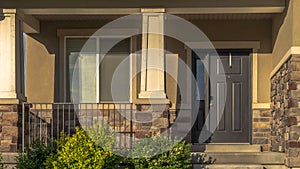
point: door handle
(211, 101)
(230, 60)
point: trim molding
(225, 45)
(261, 106)
(225, 10)
(124, 11)
(291, 51)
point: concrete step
(233, 148)
(275, 167)
(234, 166)
(261, 158)
(237, 166)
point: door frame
(254, 46)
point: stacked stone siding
(151, 119)
(261, 128)
(285, 124)
(9, 128)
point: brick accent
(9, 128)
(285, 124)
(261, 128)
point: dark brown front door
(227, 87)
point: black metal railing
(45, 121)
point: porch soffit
(140, 4)
(201, 13)
(185, 16)
(126, 11)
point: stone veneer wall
(9, 128)
(151, 119)
(261, 130)
(285, 124)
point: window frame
(61, 62)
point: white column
(152, 74)
(11, 57)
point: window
(90, 70)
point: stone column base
(9, 128)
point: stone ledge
(262, 158)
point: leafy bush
(2, 166)
(35, 156)
(144, 154)
(81, 151)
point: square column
(152, 73)
(11, 58)
(12, 81)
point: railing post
(23, 126)
(131, 125)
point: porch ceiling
(185, 16)
(139, 3)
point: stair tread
(236, 147)
(234, 166)
(232, 148)
(238, 158)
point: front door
(229, 89)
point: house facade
(222, 74)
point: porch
(257, 41)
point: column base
(152, 95)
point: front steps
(241, 148)
(235, 156)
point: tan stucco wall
(264, 69)
(289, 32)
(284, 38)
(39, 72)
(296, 22)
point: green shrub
(35, 156)
(81, 151)
(2, 166)
(150, 153)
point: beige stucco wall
(264, 69)
(284, 38)
(289, 32)
(296, 23)
(39, 72)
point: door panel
(228, 88)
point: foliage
(35, 156)
(81, 151)
(2, 166)
(102, 136)
(177, 154)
